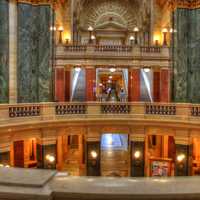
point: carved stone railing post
(47, 111)
(4, 113)
(183, 110)
(93, 109)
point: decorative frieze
(187, 4)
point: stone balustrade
(98, 110)
(66, 54)
(30, 184)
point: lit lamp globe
(90, 28)
(131, 39)
(146, 70)
(137, 154)
(77, 69)
(180, 157)
(94, 154)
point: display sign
(160, 168)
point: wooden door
(19, 154)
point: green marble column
(186, 55)
(180, 52)
(4, 51)
(34, 53)
(194, 56)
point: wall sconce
(60, 30)
(131, 39)
(90, 29)
(180, 158)
(94, 154)
(53, 28)
(136, 30)
(50, 158)
(6, 166)
(164, 31)
(137, 154)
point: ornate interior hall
(104, 88)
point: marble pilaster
(12, 51)
(4, 51)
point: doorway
(114, 155)
(112, 84)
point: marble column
(67, 84)
(90, 84)
(156, 86)
(4, 51)
(12, 51)
(134, 84)
(165, 85)
(180, 55)
(60, 84)
(34, 53)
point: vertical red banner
(156, 86)
(165, 85)
(67, 84)
(134, 85)
(90, 84)
(60, 84)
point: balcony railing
(113, 48)
(115, 108)
(70, 109)
(153, 109)
(68, 52)
(98, 110)
(24, 111)
(195, 111)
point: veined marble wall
(194, 56)
(4, 51)
(34, 53)
(187, 55)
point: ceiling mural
(124, 14)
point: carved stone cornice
(187, 4)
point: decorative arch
(114, 12)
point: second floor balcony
(121, 54)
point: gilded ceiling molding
(187, 4)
